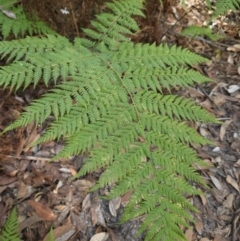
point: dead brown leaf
(103, 236)
(232, 182)
(223, 129)
(29, 221)
(216, 182)
(114, 205)
(199, 226)
(22, 190)
(97, 216)
(42, 210)
(228, 203)
(218, 237)
(5, 180)
(189, 234)
(62, 233)
(125, 198)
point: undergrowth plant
(222, 6)
(10, 231)
(112, 99)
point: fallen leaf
(230, 59)
(97, 216)
(5, 180)
(62, 233)
(87, 202)
(237, 46)
(232, 88)
(228, 203)
(103, 236)
(199, 227)
(42, 210)
(9, 14)
(29, 221)
(216, 182)
(204, 239)
(216, 149)
(189, 234)
(232, 182)
(203, 199)
(223, 129)
(84, 185)
(125, 198)
(114, 205)
(218, 237)
(22, 190)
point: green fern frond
(24, 48)
(158, 78)
(48, 66)
(172, 106)
(164, 124)
(10, 231)
(148, 55)
(21, 25)
(112, 28)
(194, 31)
(107, 100)
(222, 6)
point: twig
(74, 19)
(215, 44)
(35, 158)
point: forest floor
(26, 176)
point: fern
(10, 231)
(19, 25)
(201, 31)
(222, 6)
(108, 99)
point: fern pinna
(108, 101)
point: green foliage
(194, 31)
(222, 6)
(109, 100)
(19, 25)
(11, 228)
(50, 236)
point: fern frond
(112, 28)
(10, 231)
(157, 78)
(194, 31)
(172, 106)
(148, 56)
(106, 102)
(163, 124)
(222, 6)
(48, 66)
(24, 48)
(21, 25)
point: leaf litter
(47, 197)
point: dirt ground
(46, 195)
